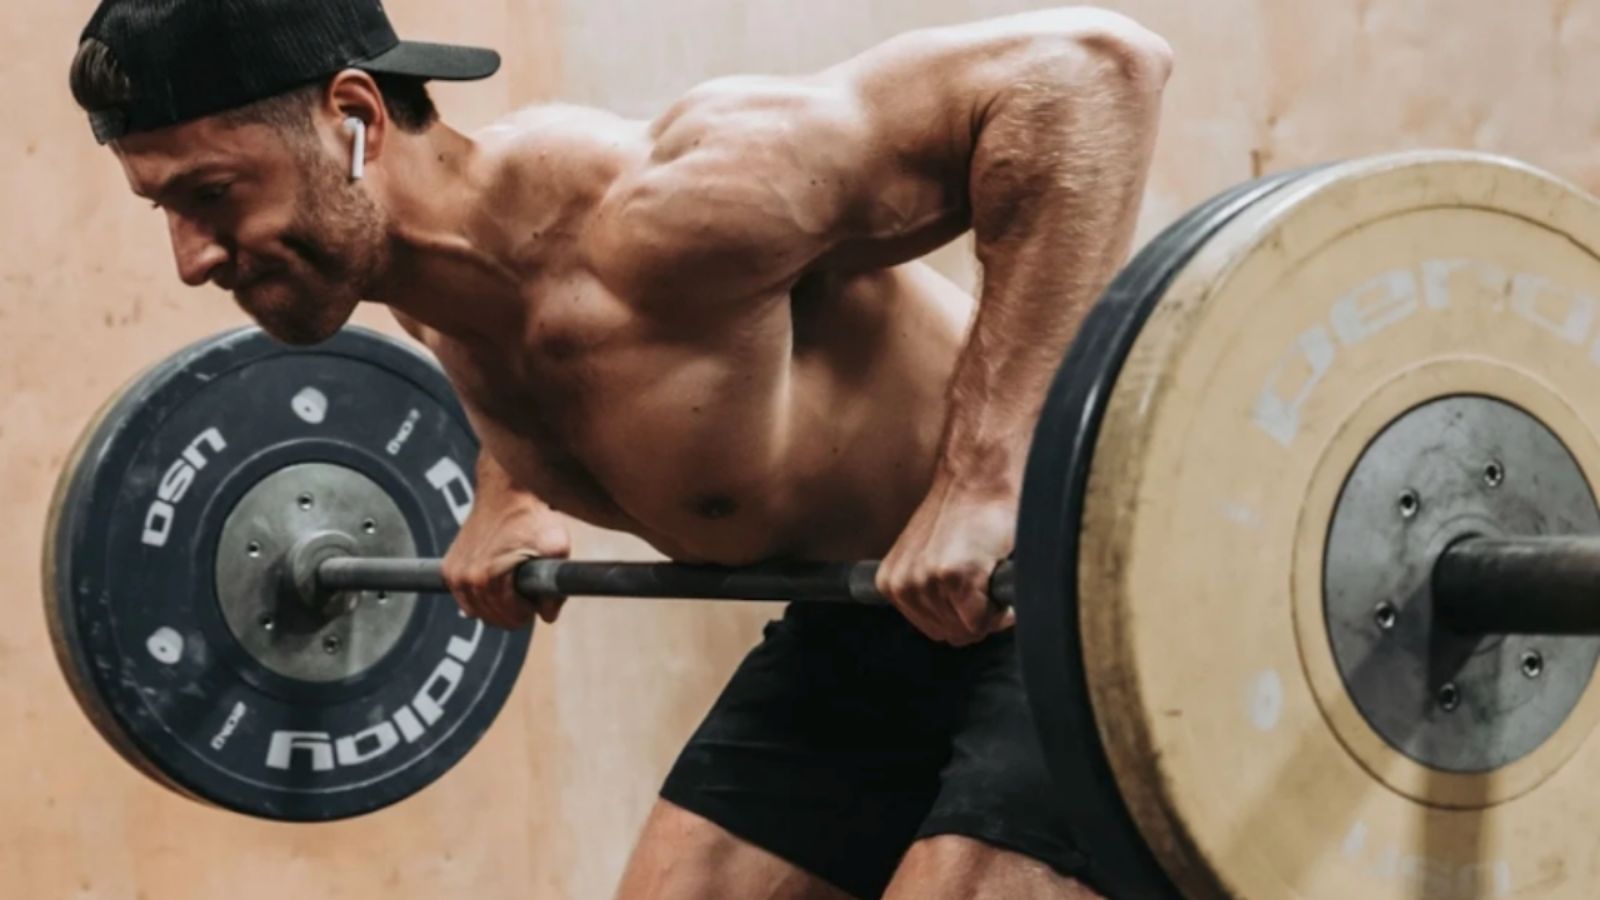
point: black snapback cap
(187, 59)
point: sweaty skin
(711, 330)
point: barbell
(1470, 578)
(1305, 573)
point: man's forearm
(1057, 176)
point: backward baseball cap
(187, 59)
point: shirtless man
(709, 330)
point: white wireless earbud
(358, 154)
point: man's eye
(211, 193)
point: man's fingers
(984, 618)
(951, 605)
(1007, 620)
(510, 609)
(549, 608)
(481, 604)
(892, 584)
(961, 592)
(919, 597)
(480, 597)
(484, 584)
(938, 593)
(925, 612)
(467, 598)
(937, 606)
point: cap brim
(443, 62)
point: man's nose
(198, 252)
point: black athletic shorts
(846, 735)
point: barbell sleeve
(1519, 585)
(852, 582)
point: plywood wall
(548, 806)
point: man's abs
(805, 429)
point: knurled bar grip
(803, 582)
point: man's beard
(338, 243)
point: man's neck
(448, 261)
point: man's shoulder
(568, 150)
(554, 126)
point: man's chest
(608, 413)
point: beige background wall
(548, 805)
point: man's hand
(492, 543)
(938, 573)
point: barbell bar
(1541, 585)
(851, 582)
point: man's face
(269, 216)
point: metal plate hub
(1446, 471)
(276, 627)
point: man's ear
(353, 94)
